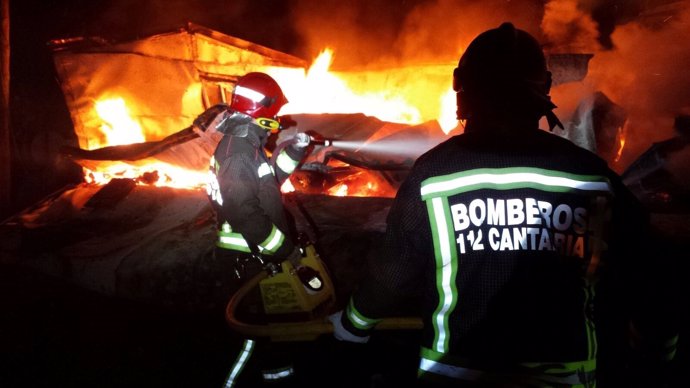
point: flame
(320, 90)
(408, 99)
(339, 190)
(621, 141)
(362, 183)
(448, 117)
(118, 127)
(152, 173)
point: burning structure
(140, 225)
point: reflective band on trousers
(232, 241)
(467, 374)
(236, 242)
(357, 319)
(241, 361)
(278, 374)
(273, 242)
(573, 374)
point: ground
(57, 334)
(60, 335)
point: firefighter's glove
(212, 118)
(341, 334)
(302, 140)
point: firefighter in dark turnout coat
(244, 189)
(505, 233)
(244, 185)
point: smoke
(381, 32)
(642, 66)
(358, 31)
(442, 29)
(644, 71)
(263, 22)
(678, 165)
(569, 29)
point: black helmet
(503, 70)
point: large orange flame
(118, 127)
(317, 90)
(399, 100)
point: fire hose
(308, 330)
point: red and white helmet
(257, 95)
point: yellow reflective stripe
(232, 241)
(264, 169)
(235, 241)
(241, 361)
(274, 241)
(286, 163)
(446, 258)
(571, 374)
(357, 319)
(277, 374)
(511, 178)
(452, 371)
(561, 367)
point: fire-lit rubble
(154, 244)
(150, 236)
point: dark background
(57, 334)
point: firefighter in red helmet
(244, 186)
(513, 239)
(244, 189)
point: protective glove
(341, 334)
(302, 140)
(211, 118)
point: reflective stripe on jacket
(245, 192)
(501, 246)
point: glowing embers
(342, 180)
(396, 95)
(119, 128)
